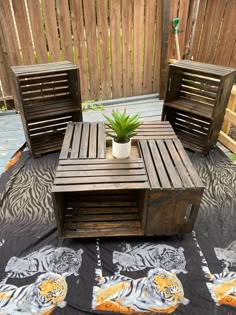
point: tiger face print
(150, 255)
(41, 297)
(223, 288)
(61, 260)
(166, 287)
(160, 291)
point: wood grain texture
(91, 40)
(197, 34)
(183, 16)
(23, 31)
(5, 70)
(138, 46)
(206, 30)
(157, 50)
(65, 29)
(36, 23)
(49, 14)
(80, 46)
(191, 26)
(215, 32)
(171, 39)
(9, 34)
(227, 36)
(127, 26)
(150, 11)
(103, 37)
(115, 29)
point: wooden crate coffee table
(156, 191)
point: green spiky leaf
(122, 125)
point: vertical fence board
(190, 27)
(90, 27)
(164, 47)
(51, 29)
(148, 45)
(206, 30)
(157, 48)
(115, 27)
(65, 29)
(216, 26)
(173, 14)
(227, 35)
(183, 17)
(232, 62)
(103, 36)
(5, 78)
(127, 46)
(198, 29)
(79, 46)
(37, 31)
(138, 46)
(23, 31)
(9, 34)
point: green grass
(88, 105)
(3, 108)
(232, 157)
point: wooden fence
(207, 31)
(119, 45)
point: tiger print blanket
(42, 274)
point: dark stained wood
(196, 101)
(154, 192)
(48, 96)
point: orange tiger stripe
(12, 161)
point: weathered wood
(197, 34)
(191, 26)
(65, 29)
(91, 40)
(49, 14)
(103, 37)
(10, 39)
(227, 35)
(138, 42)
(183, 16)
(206, 30)
(23, 31)
(115, 25)
(127, 23)
(219, 12)
(79, 45)
(173, 14)
(36, 23)
(149, 39)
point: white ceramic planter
(121, 150)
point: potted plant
(123, 128)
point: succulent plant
(123, 125)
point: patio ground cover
(193, 274)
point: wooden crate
(200, 92)
(156, 191)
(48, 96)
